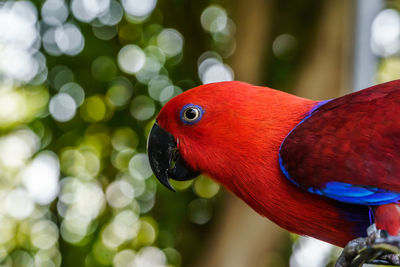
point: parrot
(325, 169)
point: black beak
(165, 160)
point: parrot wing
(348, 148)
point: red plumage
(352, 139)
(388, 217)
(238, 139)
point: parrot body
(325, 169)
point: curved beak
(165, 160)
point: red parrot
(325, 169)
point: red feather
(353, 139)
(237, 143)
(388, 217)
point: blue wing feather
(355, 194)
(337, 143)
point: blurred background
(81, 82)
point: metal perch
(378, 248)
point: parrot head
(213, 129)
(181, 138)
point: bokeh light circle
(139, 9)
(69, 39)
(119, 194)
(18, 204)
(44, 234)
(214, 19)
(170, 41)
(212, 70)
(54, 12)
(62, 107)
(75, 91)
(40, 178)
(113, 15)
(124, 258)
(131, 59)
(139, 166)
(142, 107)
(385, 33)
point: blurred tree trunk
(241, 237)
(327, 72)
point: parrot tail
(387, 217)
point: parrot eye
(190, 114)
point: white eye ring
(191, 114)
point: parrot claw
(377, 248)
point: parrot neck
(253, 146)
